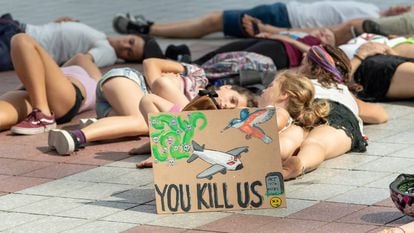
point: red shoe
(35, 123)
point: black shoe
(127, 24)
(370, 26)
(180, 53)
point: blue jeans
(274, 14)
(103, 107)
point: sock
(80, 136)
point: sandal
(255, 26)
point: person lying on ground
(120, 91)
(51, 94)
(292, 14)
(66, 38)
(330, 71)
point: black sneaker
(127, 24)
(370, 26)
(64, 142)
(180, 53)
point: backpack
(241, 68)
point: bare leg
(191, 28)
(169, 89)
(405, 50)
(14, 106)
(48, 89)
(322, 143)
(124, 96)
(150, 104)
(402, 83)
(290, 140)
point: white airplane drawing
(221, 161)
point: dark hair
(252, 98)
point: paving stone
(136, 195)
(143, 214)
(319, 191)
(238, 223)
(49, 224)
(362, 195)
(357, 178)
(96, 209)
(327, 211)
(102, 227)
(291, 225)
(9, 220)
(56, 187)
(387, 164)
(344, 228)
(189, 220)
(57, 171)
(293, 206)
(12, 201)
(97, 191)
(51, 206)
(100, 174)
(154, 229)
(373, 215)
(137, 177)
(349, 161)
(16, 183)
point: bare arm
(154, 67)
(299, 45)
(371, 113)
(366, 50)
(282, 117)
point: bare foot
(292, 168)
(141, 149)
(145, 163)
(251, 25)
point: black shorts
(75, 108)
(340, 117)
(375, 74)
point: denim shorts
(103, 108)
(274, 14)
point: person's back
(66, 39)
(326, 13)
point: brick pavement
(99, 190)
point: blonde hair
(302, 107)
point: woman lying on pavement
(330, 71)
(51, 94)
(120, 91)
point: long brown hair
(324, 76)
(302, 107)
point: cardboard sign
(216, 160)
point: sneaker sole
(61, 141)
(30, 131)
(115, 23)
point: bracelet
(358, 57)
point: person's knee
(160, 84)
(21, 39)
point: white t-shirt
(352, 46)
(64, 40)
(326, 13)
(341, 95)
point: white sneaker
(62, 141)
